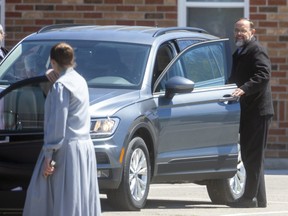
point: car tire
(224, 191)
(134, 187)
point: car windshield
(102, 64)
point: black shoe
(244, 203)
(262, 204)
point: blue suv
(161, 111)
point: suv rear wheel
(223, 191)
(133, 190)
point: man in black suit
(3, 50)
(251, 71)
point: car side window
(184, 43)
(205, 64)
(22, 109)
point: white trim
(182, 13)
(2, 18)
(216, 4)
(246, 8)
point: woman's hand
(52, 75)
(48, 167)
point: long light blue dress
(72, 190)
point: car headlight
(103, 127)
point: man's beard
(242, 42)
(239, 43)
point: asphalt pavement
(183, 200)
(193, 200)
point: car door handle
(5, 139)
(228, 98)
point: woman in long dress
(70, 186)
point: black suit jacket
(251, 71)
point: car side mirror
(178, 84)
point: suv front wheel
(133, 190)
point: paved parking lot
(190, 200)
(193, 200)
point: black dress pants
(253, 139)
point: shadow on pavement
(167, 204)
(179, 204)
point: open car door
(198, 116)
(21, 130)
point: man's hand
(238, 92)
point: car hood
(106, 102)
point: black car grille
(102, 158)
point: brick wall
(27, 16)
(270, 16)
(271, 22)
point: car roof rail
(171, 29)
(57, 26)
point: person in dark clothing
(251, 71)
(3, 50)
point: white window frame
(2, 17)
(183, 5)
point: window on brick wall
(215, 16)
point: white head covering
(1, 29)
